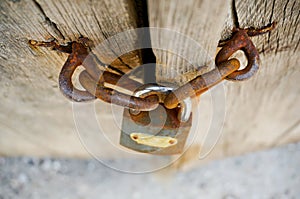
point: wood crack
(52, 24)
(148, 56)
(295, 31)
(270, 21)
(284, 14)
(116, 70)
(235, 15)
(106, 37)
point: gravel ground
(268, 174)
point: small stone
(46, 164)
(56, 165)
(2, 161)
(22, 178)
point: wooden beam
(260, 113)
(35, 118)
(193, 31)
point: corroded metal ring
(162, 91)
(65, 77)
(240, 41)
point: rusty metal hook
(241, 41)
(74, 60)
(78, 52)
(80, 56)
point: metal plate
(162, 124)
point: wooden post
(260, 113)
(35, 118)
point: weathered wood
(194, 28)
(262, 112)
(37, 120)
(265, 112)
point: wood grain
(266, 107)
(192, 37)
(35, 118)
(262, 112)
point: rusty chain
(94, 80)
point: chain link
(94, 80)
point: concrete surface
(268, 174)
